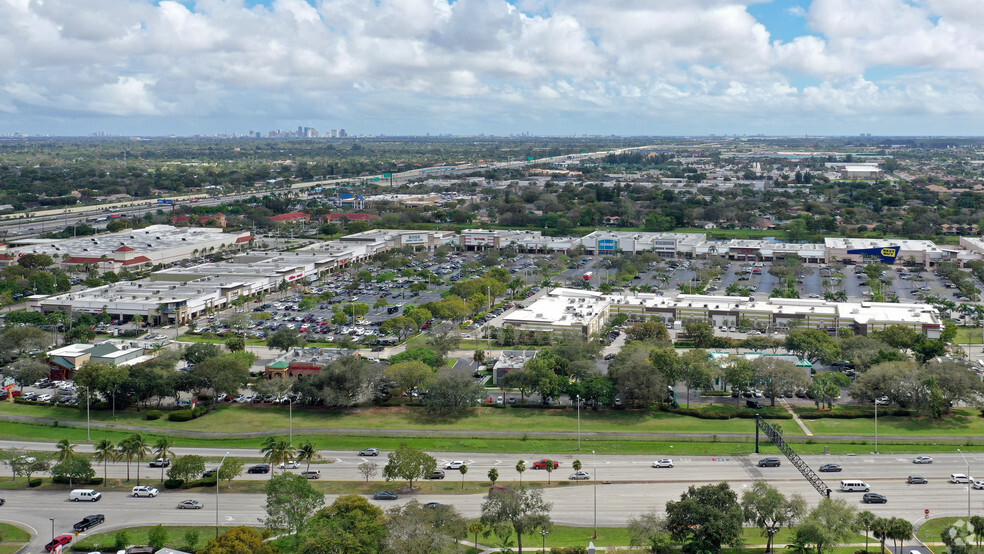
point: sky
(465, 67)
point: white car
(959, 478)
(455, 465)
(922, 460)
(44, 398)
(580, 476)
(665, 462)
(978, 484)
(293, 464)
(144, 491)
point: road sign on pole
(927, 511)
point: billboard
(607, 244)
(414, 239)
(886, 254)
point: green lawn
(968, 335)
(931, 530)
(964, 422)
(138, 535)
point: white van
(854, 486)
(88, 495)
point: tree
(520, 511)
(200, 351)
(407, 462)
(284, 339)
(408, 376)
(163, 451)
(813, 345)
(700, 333)
(235, 343)
(652, 331)
(463, 469)
(134, 446)
(493, 475)
(831, 522)
(520, 468)
(368, 470)
(65, 450)
(230, 469)
(706, 518)
(350, 525)
(417, 529)
(29, 463)
(105, 452)
(696, 371)
(778, 377)
(306, 452)
(277, 451)
(401, 326)
(739, 373)
(157, 537)
(768, 509)
(238, 540)
(226, 373)
(899, 336)
(74, 468)
(866, 520)
(576, 465)
(291, 500)
(650, 530)
(443, 340)
(452, 393)
(899, 530)
(187, 467)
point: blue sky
(660, 67)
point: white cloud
(473, 63)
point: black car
(754, 404)
(916, 480)
(874, 498)
(209, 473)
(831, 467)
(769, 462)
(259, 468)
(89, 522)
(385, 495)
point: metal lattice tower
(776, 437)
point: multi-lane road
(626, 486)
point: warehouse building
(136, 248)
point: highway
(627, 486)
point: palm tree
(306, 452)
(162, 449)
(520, 468)
(105, 453)
(65, 450)
(576, 465)
(134, 446)
(276, 451)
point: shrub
(199, 411)
(181, 415)
(206, 482)
(35, 482)
(851, 412)
(102, 405)
(63, 480)
(151, 415)
(173, 483)
(684, 344)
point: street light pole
(52, 527)
(876, 426)
(968, 481)
(543, 544)
(579, 423)
(290, 418)
(88, 430)
(218, 474)
(594, 462)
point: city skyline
(467, 67)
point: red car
(60, 540)
(542, 464)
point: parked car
(259, 468)
(874, 498)
(542, 464)
(161, 462)
(831, 468)
(922, 460)
(144, 491)
(580, 476)
(369, 452)
(60, 540)
(436, 474)
(385, 495)
(665, 462)
(916, 480)
(769, 462)
(89, 522)
(190, 505)
(454, 465)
